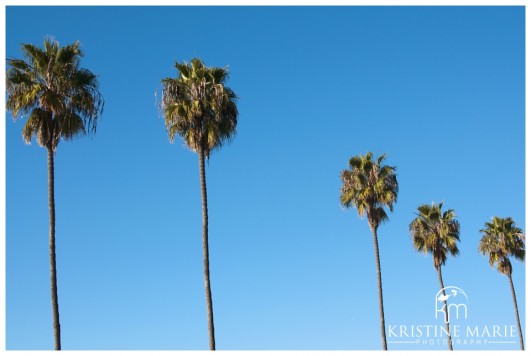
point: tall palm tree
(436, 232)
(61, 100)
(371, 186)
(501, 240)
(202, 110)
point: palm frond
(35, 57)
(71, 125)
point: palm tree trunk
(380, 293)
(53, 268)
(516, 311)
(439, 273)
(206, 263)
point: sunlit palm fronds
(435, 232)
(502, 239)
(60, 99)
(370, 187)
(199, 107)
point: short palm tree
(202, 110)
(501, 240)
(61, 100)
(436, 232)
(371, 186)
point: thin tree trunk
(516, 311)
(439, 273)
(206, 263)
(53, 268)
(380, 293)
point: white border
(239, 3)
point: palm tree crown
(199, 107)
(61, 99)
(502, 239)
(370, 186)
(435, 232)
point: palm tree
(437, 233)
(501, 240)
(371, 186)
(60, 100)
(202, 110)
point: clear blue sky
(440, 90)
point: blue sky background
(440, 90)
